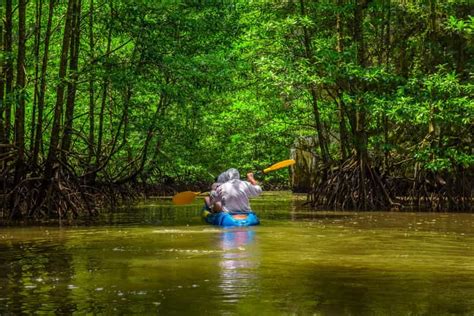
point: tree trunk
(105, 86)
(433, 30)
(9, 67)
(380, 33)
(339, 30)
(402, 63)
(360, 137)
(343, 134)
(20, 91)
(42, 88)
(387, 65)
(319, 127)
(360, 115)
(387, 45)
(313, 91)
(162, 104)
(3, 134)
(91, 86)
(72, 82)
(36, 48)
(128, 96)
(58, 108)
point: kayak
(228, 219)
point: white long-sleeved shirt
(234, 195)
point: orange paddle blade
(185, 197)
(279, 165)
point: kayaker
(233, 195)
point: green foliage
(219, 84)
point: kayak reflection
(238, 264)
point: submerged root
(61, 197)
(357, 186)
(65, 196)
(352, 186)
(442, 191)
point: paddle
(187, 197)
(279, 165)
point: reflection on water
(238, 264)
(154, 259)
(237, 238)
(31, 274)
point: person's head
(228, 175)
(233, 174)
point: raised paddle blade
(279, 165)
(184, 197)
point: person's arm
(251, 179)
(253, 189)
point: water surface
(157, 258)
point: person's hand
(251, 179)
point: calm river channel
(155, 258)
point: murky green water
(157, 258)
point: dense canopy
(101, 99)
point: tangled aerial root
(352, 186)
(358, 186)
(59, 197)
(64, 196)
(433, 191)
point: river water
(155, 258)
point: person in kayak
(232, 194)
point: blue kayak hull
(226, 219)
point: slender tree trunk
(360, 137)
(402, 58)
(3, 134)
(319, 126)
(91, 85)
(128, 96)
(313, 91)
(433, 29)
(387, 33)
(433, 126)
(72, 82)
(20, 86)
(344, 138)
(36, 48)
(58, 108)
(116, 138)
(105, 86)
(360, 115)
(9, 66)
(380, 31)
(387, 46)
(162, 104)
(42, 88)
(339, 27)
